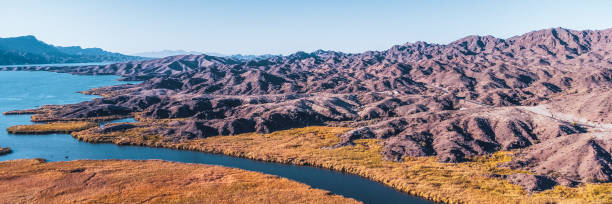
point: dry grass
(23, 112)
(467, 182)
(48, 128)
(46, 113)
(152, 181)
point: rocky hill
(29, 50)
(533, 93)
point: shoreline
(342, 169)
(134, 137)
(43, 115)
(186, 147)
(51, 128)
(429, 171)
(93, 120)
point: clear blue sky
(284, 26)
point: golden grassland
(54, 127)
(23, 112)
(5, 150)
(467, 182)
(151, 181)
(45, 109)
(46, 114)
(99, 92)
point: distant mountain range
(252, 57)
(29, 50)
(168, 53)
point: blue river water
(24, 90)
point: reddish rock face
(453, 101)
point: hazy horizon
(279, 27)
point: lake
(59, 64)
(25, 90)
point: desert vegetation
(45, 118)
(152, 181)
(49, 128)
(24, 112)
(475, 181)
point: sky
(283, 26)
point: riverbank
(467, 182)
(150, 181)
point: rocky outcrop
(115, 127)
(530, 183)
(454, 135)
(570, 159)
(5, 150)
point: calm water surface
(24, 90)
(59, 64)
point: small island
(5, 150)
(50, 128)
